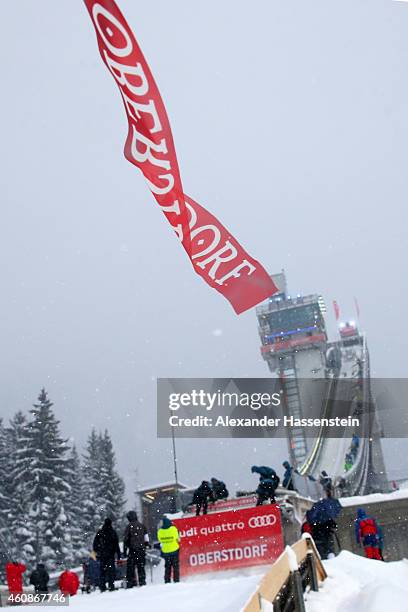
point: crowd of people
(212, 491)
(68, 581)
(99, 571)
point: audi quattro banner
(231, 539)
(214, 253)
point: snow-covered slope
(356, 584)
(218, 592)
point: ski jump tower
(296, 348)
(293, 336)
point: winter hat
(253, 468)
(324, 473)
(166, 522)
(286, 464)
(131, 516)
(107, 522)
(361, 513)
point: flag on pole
(357, 307)
(336, 308)
(214, 253)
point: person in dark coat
(325, 480)
(201, 496)
(106, 547)
(287, 481)
(39, 579)
(268, 483)
(219, 489)
(135, 542)
(322, 517)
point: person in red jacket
(368, 534)
(14, 574)
(68, 583)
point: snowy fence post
(296, 579)
(281, 589)
(310, 560)
(314, 583)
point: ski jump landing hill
(297, 350)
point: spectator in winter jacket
(169, 539)
(323, 534)
(68, 583)
(321, 517)
(355, 445)
(287, 481)
(202, 494)
(268, 483)
(14, 575)
(135, 542)
(106, 546)
(92, 572)
(39, 579)
(348, 462)
(368, 534)
(325, 481)
(219, 489)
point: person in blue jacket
(287, 481)
(268, 483)
(322, 519)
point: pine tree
(104, 488)
(46, 478)
(4, 500)
(92, 510)
(15, 480)
(111, 486)
(57, 549)
(76, 522)
(50, 505)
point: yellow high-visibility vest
(169, 539)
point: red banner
(286, 344)
(336, 309)
(231, 539)
(215, 254)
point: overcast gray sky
(290, 123)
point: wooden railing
(298, 568)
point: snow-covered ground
(356, 584)
(218, 592)
(361, 500)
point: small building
(156, 500)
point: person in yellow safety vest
(169, 539)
